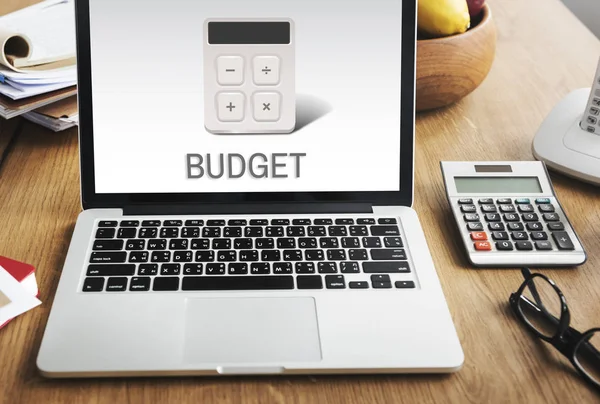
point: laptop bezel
(91, 199)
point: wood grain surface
(543, 53)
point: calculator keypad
(521, 225)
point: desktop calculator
(591, 115)
(508, 215)
(249, 76)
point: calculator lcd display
(498, 185)
(248, 33)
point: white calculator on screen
(249, 76)
(508, 215)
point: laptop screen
(246, 96)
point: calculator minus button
(482, 246)
(230, 70)
(479, 236)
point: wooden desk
(543, 53)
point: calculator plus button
(525, 208)
(562, 240)
(496, 226)
(483, 246)
(465, 201)
(522, 201)
(474, 226)
(492, 217)
(519, 235)
(516, 226)
(230, 107)
(530, 217)
(546, 208)
(524, 245)
(543, 245)
(489, 208)
(504, 201)
(500, 235)
(486, 201)
(471, 217)
(550, 217)
(266, 106)
(468, 209)
(266, 70)
(541, 201)
(504, 246)
(534, 226)
(479, 236)
(230, 70)
(556, 226)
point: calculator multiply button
(266, 70)
(266, 107)
(562, 240)
(230, 70)
(230, 106)
(550, 217)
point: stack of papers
(37, 56)
(58, 116)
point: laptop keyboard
(239, 254)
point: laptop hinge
(248, 208)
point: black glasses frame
(566, 340)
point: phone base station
(564, 146)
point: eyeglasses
(542, 307)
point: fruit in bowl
(455, 50)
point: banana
(438, 18)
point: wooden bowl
(450, 68)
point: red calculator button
(483, 246)
(479, 236)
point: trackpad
(251, 330)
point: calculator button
(266, 70)
(534, 226)
(483, 246)
(266, 106)
(516, 226)
(591, 120)
(492, 217)
(539, 235)
(489, 208)
(496, 226)
(550, 217)
(541, 201)
(519, 235)
(530, 217)
(543, 245)
(474, 226)
(524, 245)
(504, 246)
(507, 208)
(479, 236)
(522, 201)
(596, 102)
(468, 208)
(591, 129)
(486, 201)
(511, 217)
(546, 208)
(525, 208)
(504, 201)
(465, 201)
(562, 240)
(230, 107)
(230, 70)
(500, 235)
(556, 226)
(471, 217)
(594, 111)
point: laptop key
(147, 232)
(127, 232)
(161, 256)
(274, 231)
(317, 231)
(382, 285)
(337, 231)
(292, 255)
(329, 242)
(305, 268)
(111, 270)
(365, 221)
(323, 222)
(248, 255)
(336, 255)
(183, 256)
(148, 269)
(93, 284)
(205, 256)
(215, 269)
(253, 232)
(215, 222)
(335, 282)
(167, 283)
(242, 243)
(270, 255)
(138, 256)
(232, 282)
(349, 267)
(211, 232)
(194, 222)
(107, 245)
(385, 231)
(117, 284)
(372, 242)
(259, 222)
(280, 222)
(314, 255)
(232, 232)
(151, 223)
(327, 267)
(387, 220)
(167, 232)
(359, 231)
(404, 284)
(344, 221)
(190, 232)
(130, 223)
(200, 244)
(309, 282)
(301, 222)
(282, 268)
(309, 242)
(173, 223)
(107, 223)
(358, 285)
(178, 244)
(134, 245)
(238, 268)
(260, 268)
(350, 242)
(108, 257)
(157, 244)
(385, 267)
(296, 231)
(358, 255)
(140, 284)
(237, 222)
(192, 269)
(388, 254)
(170, 269)
(221, 244)
(105, 233)
(262, 243)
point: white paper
(14, 298)
(16, 94)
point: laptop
(247, 183)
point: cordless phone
(591, 115)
